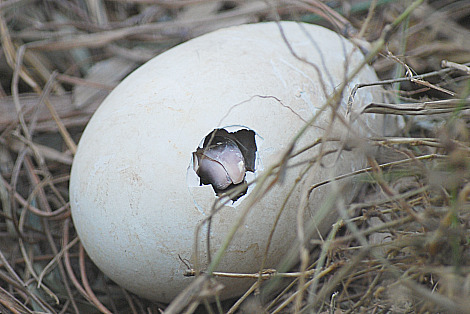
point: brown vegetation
(403, 246)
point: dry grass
(403, 246)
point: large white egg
(135, 196)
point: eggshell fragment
(135, 195)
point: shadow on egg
(224, 159)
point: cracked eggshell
(135, 197)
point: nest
(402, 246)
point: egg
(203, 119)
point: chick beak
(220, 164)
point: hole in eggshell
(223, 160)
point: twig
(457, 66)
(86, 285)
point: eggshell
(135, 197)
